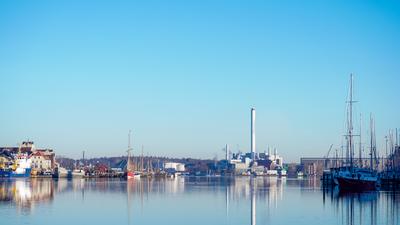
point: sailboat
(352, 177)
(130, 174)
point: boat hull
(132, 175)
(12, 174)
(356, 184)
(76, 174)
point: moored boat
(272, 173)
(60, 172)
(129, 173)
(282, 172)
(132, 175)
(77, 173)
(21, 168)
(353, 177)
(300, 174)
(357, 179)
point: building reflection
(26, 194)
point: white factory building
(178, 167)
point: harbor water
(191, 200)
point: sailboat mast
(391, 149)
(386, 152)
(128, 163)
(360, 147)
(374, 142)
(371, 142)
(141, 161)
(350, 128)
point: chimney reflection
(253, 187)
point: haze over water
(191, 200)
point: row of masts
(139, 164)
(392, 140)
(350, 152)
(392, 143)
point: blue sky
(77, 75)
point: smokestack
(253, 133)
(227, 152)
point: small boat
(247, 173)
(300, 174)
(272, 173)
(258, 173)
(132, 175)
(282, 172)
(76, 173)
(60, 172)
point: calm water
(192, 201)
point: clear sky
(183, 75)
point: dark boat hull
(356, 184)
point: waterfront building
(314, 166)
(42, 159)
(177, 167)
(41, 162)
(27, 147)
(238, 167)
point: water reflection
(253, 186)
(25, 194)
(245, 200)
(376, 207)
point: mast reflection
(372, 208)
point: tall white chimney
(253, 133)
(227, 152)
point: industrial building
(314, 166)
(176, 167)
(263, 163)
